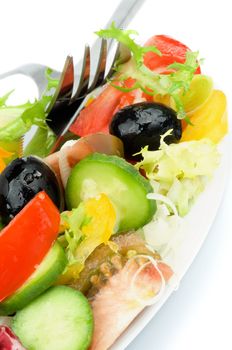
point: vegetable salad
(86, 232)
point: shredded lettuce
(164, 232)
(174, 84)
(161, 229)
(182, 169)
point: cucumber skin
(84, 316)
(123, 165)
(35, 286)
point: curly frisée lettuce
(182, 170)
(174, 84)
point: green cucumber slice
(47, 272)
(125, 186)
(59, 319)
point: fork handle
(125, 11)
(122, 16)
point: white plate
(196, 225)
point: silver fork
(68, 97)
(123, 14)
(76, 82)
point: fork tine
(66, 104)
(121, 55)
(101, 65)
(81, 86)
(65, 86)
(111, 62)
(57, 118)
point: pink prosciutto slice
(140, 283)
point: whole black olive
(142, 124)
(21, 180)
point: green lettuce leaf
(4, 98)
(181, 170)
(15, 121)
(41, 143)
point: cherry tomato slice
(97, 115)
(25, 241)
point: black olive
(21, 180)
(142, 124)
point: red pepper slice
(25, 241)
(172, 51)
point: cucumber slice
(125, 186)
(59, 319)
(46, 273)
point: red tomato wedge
(25, 241)
(172, 51)
(97, 115)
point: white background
(198, 315)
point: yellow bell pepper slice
(4, 155)
(209, 121)
(100, 227)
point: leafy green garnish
(73, 221)
(15, 121)
(174, 84)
